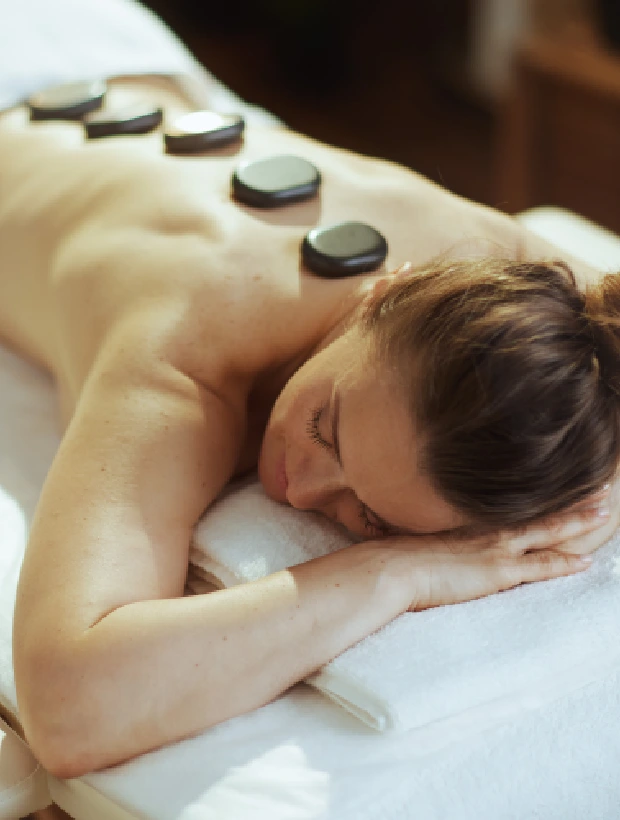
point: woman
(189, 347)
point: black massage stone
(201, 131)
(344, 249)
(275, 181)
(70, 101)
(136, 119)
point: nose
(315, 484)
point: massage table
(302, 756)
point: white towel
(245, 536)
(504, 653)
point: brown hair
(513, 377)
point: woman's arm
(110, 660)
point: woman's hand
(451, 572)
(447, 569)
(581, 529)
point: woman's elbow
(56, 713)
(59, 760)
(64, 748)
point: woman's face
(340, 441)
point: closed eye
(312, 428)
(372, 523)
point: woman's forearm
(154, 672)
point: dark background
(392, 78)
(380, 77)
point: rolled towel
(498, 655)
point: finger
(587, 542)
(542, 566)
(556, 531)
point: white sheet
(560, 763)
(48, 42)
(303, 757)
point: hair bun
(602, 309)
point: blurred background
(514, 103)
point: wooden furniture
(559, 134)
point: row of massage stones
(344, 249)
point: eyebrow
(336, 441)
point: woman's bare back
(94, 233)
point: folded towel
(245, 536)
(506, 653)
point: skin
(189, 346)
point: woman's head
(512, 377)
(340, 441)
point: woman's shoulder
(259, 322)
